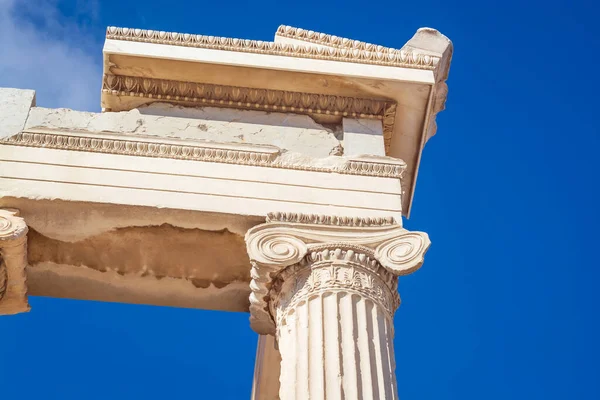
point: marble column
(13, 260)
(326, 288)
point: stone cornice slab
(377, 55)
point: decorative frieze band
(211, 95)
(329, 40)
(229, 154)
(328, 219)
(377, 56)
(247, 98)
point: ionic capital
(358, 255)
(12, 227)
(13, 260)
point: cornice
(261, 156)
(383, 56)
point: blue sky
(506, 305)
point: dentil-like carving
(328, 40)
(224, 153)
(376, 55)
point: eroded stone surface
(14, 109)
(135, 255)
(68, 281)
(298, 133)
(70, 221)
(202, 257)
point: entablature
(305, 72)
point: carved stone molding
(366, 257)
(13, 260)
(376, 55)
(389, 119)
(242, 97)
(254, 155)
(329, 40)
(328, 219)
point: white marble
(298, 133)
(363, 136)
(327, 289)
(14, 109)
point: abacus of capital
(235, 175)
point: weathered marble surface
(174, 226)
(14, 110)
(298, 133)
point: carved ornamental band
(294, 256)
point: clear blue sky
(506, 305)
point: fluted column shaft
(334, 327)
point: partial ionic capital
(13, 260)
(295, 255)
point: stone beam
(185, 174)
